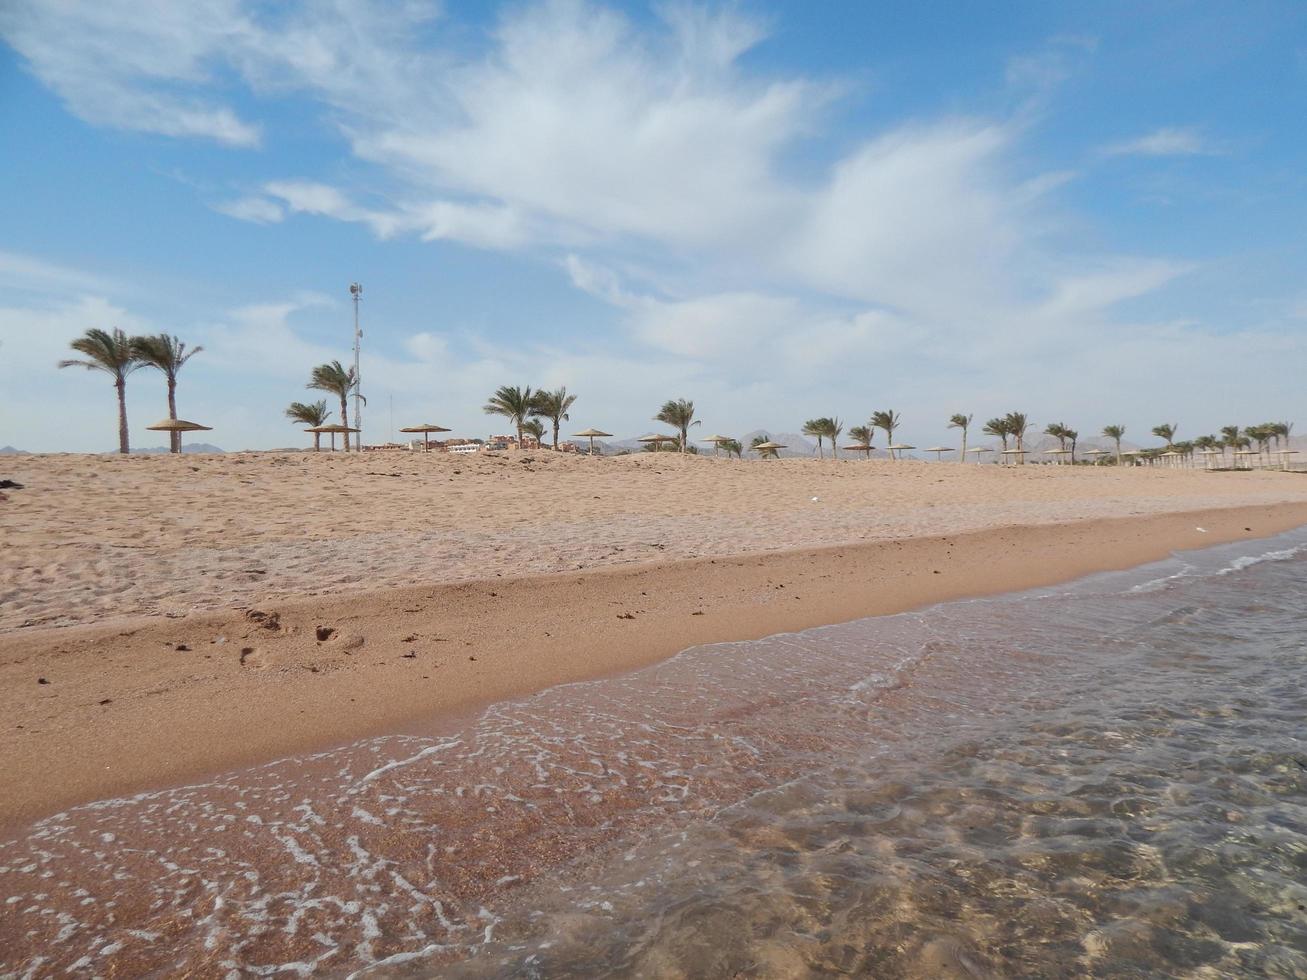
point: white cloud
(1164, 142)
(143, 65)
(259, 210)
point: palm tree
(334, 379)
(862, 434)
(1167, 431)
(534, 427)
(997, 427)
(553, 405)
(833, 427)
(732, 446)
(514, 404)
(312, 414)
(963, 422)
(1115, 432)
(764, 453)
(111, 353)
(1016, 427)
(1058, 431)
(887, 421)
(1262, 435)
(1071, 436)
(166, 353)
(817, 428)
(679, 414)
(1230, 437)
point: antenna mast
(356, 290)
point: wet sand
(142, 699)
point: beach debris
(107, 701)
(411, 655)
(1201, 530)
(815, 499)
(10, 485)
(182, 648)
(626, 616)
(324, 633)
(42, 680)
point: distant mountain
(189, 447)
(11, 451)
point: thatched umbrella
(898, 447)
(658, 440)
(1209, 453)
(178, 425)
(1285, 463)
(860, 447)
(716, 442)
(592, 435)
(939, 451)
(980, 449)
(767, 448)
(333, 429)
(1170, 455)
(1059, 453)
(426, 429)
(1020, 454)
(1097, 452)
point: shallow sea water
(1104, 779)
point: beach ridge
(104, 710)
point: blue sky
(1092, 213)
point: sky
(1093, 213)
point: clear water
(1107, 779)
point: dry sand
(195, 613)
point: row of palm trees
(119, 355)
(116, 354)
(1265, 436)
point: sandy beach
(169, 617)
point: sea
(1107, 778)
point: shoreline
(149, 703)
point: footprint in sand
(250, 657)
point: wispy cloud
(1165, 142)
(259, 210)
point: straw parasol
(426, 428)
(658, 439)
(1100, 453)
(1245, 453)
(1170, 455)
(1284, 453)
(763, 448)
(1209, 453)
(1059, 453)
(939, 451)
(860, 447)
(980, 449)
(178, 425)
(716, 442)
(333, 429)
(592, 435)
(1019, 453)
(897, 447)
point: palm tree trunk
(317, 441)
(344, 420)
(963, 457)
(174, 438)
(556, 426)
(123, 447)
